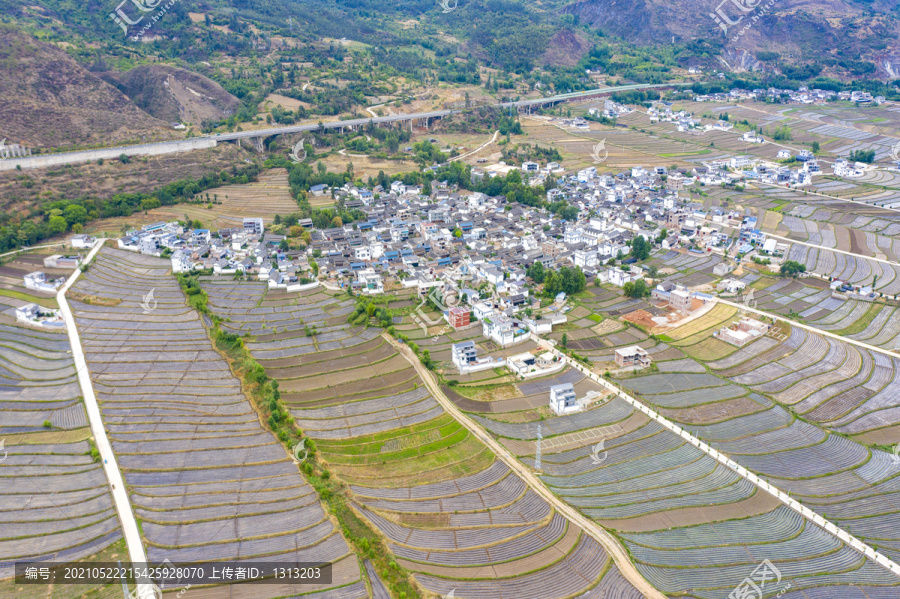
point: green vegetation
(640, 248)
(61, 215)
(636, 289)
(367, 309)
(782, 133)
(867, 156)
(536, 272)
(792, 268)
(567, 280)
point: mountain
(48, 100)
(174, 94)
(838, 37)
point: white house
(585, 258)
(253, 226)
(563, 399)
(82, 241)
(503, 330)
(34, 314)
(181, 261)
(619, 277)
(463, 354)
(39, 282)
(370, 280)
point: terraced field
(56, 502)
(453, 515)
(827, 381)
(847, 268)
(694, 527)
(206, 480)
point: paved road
(806, 327)
(612, 547)
(136, 552)
(822, 247)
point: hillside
(839, 36)
(48, 100)
(173, 94)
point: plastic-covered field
(56, 502)
(457, 517)
(822, 379)
(696, 529)
(828, 381)
(851, 269)
(207, 481)
(500, 540)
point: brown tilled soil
(714, 412)
(388, 384)
(760, 503)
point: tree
(815, 147)
(782, 133)
(567, 280)
(73, 213)
(662, 235)
(862, 156)
(640, 249)
(792, 268)
(565, 340)
(149, 204)
(315, 267)
(636, 289)
(295, 231)
(57, 224)
(536, 272)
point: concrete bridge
(256, 137)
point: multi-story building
(458, 317)
(562, 398)
(632, 357)
(254, 226)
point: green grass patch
(409, 447)
(860, 325)
(693, 153)
(595, 317)
(348, 445)
(47, 302)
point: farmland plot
(453, 515)
(207, 482)
(837, 385)
(693, 527)
(846, 482)
(56, 503)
